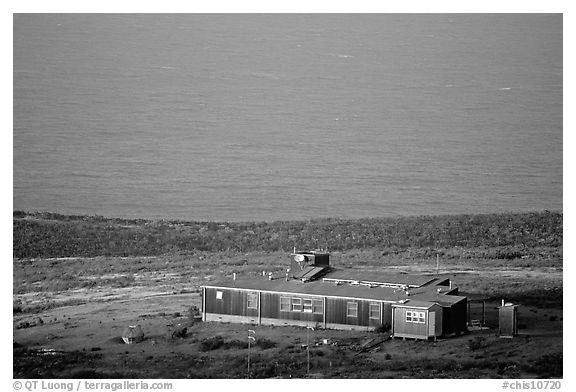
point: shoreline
(50, 215)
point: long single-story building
(312, 293)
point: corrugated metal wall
(233, 302)
(271, 308)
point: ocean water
(267, 117)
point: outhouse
(508, 320)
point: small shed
(416, 319)
(508, 320)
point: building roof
(380, 277)
(414, 304)
(439, 298)
(318, 288)
(428, 294)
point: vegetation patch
(46, 363)
(54, 235)
(477, 343)
(550, 297)
(547, 366)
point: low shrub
(179, 332)
(210, 344)
(264, 343)
(383, 328)
(477, 343)
(547, 366)
(218, 342)
(235, 344)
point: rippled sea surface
(265, 117)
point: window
(296, 305)
(421, 318)
(318, 306)
(307, 306)
(252, 300)
(415, 317)
(375, 311)
(218, 295)
(284, 304)
(352, 309)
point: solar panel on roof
(303, 272)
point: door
(431, 324)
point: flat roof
(388, 277)
(330, 289)
(318, 288)
(414, 304)
(441, 299)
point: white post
(308, 350)
(249, 356)
(250, 338)
(203, 303)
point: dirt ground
(75, 333)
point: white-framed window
(351, 309)
(296, 304)
(413, 316)
(307, 304)
(408, 316)
(284, 304)
(218, 295)
(318, 306)
(421, 317)
(374, 310)
(252, 300)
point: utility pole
(250, 339)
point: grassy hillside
(497, 236)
